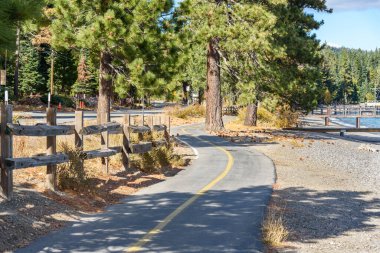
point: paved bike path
(225, 218)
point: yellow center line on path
(138, 246)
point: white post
(6, 97)
(49, 99)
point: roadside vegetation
(99, 188)
(268, 117)
(274, 230)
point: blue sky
(354, 24)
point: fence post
(150, 121)
(104, 140)
(327, 121)
(126, 137)
(51, 170)
(6, 152)
(169, 122)
(79, 137)
(357, 122)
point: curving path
(215, 205)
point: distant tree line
(350, 76)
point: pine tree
(86, 79)
(223, 28)
(30, 77)
(123, 37)
(65, 71)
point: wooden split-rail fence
(50, 130)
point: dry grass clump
(159, 158)
(283, 117)
(264, 116)
(71, 175)
(286, 117)
(274, 230)
(296, 144)
(192, 111)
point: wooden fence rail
(51, 130)
(347, 111)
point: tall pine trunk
(17, 64)
(251, 115)
(214, 120)
(105, 86)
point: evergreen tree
(86, 82)
(352, 76)
(31, 80)
(223, 28)
(65, 71)
(124, 37)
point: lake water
(364, 122)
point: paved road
(65, 117)
(215, 205)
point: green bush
(56, 99)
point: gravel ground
(329, 188)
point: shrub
(71, 175)
(263, 115)
(286, 117)
(192, 111)
(274, 230)
(156, 160)
(56, 99)
(241, 114)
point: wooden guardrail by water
(51, 130)
(340, 130)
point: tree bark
(251, 115)
(214, 120)
(185, 96)
(105, 86)
(17, 64)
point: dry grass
(296, 144)
(274, 230)
(192, 111)
(71, 175)
(286, 117)
(283, 117)
(91, 189)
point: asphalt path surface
(216, 205)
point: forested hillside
(350, 75)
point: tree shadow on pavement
(219, 221)
(312, 215)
